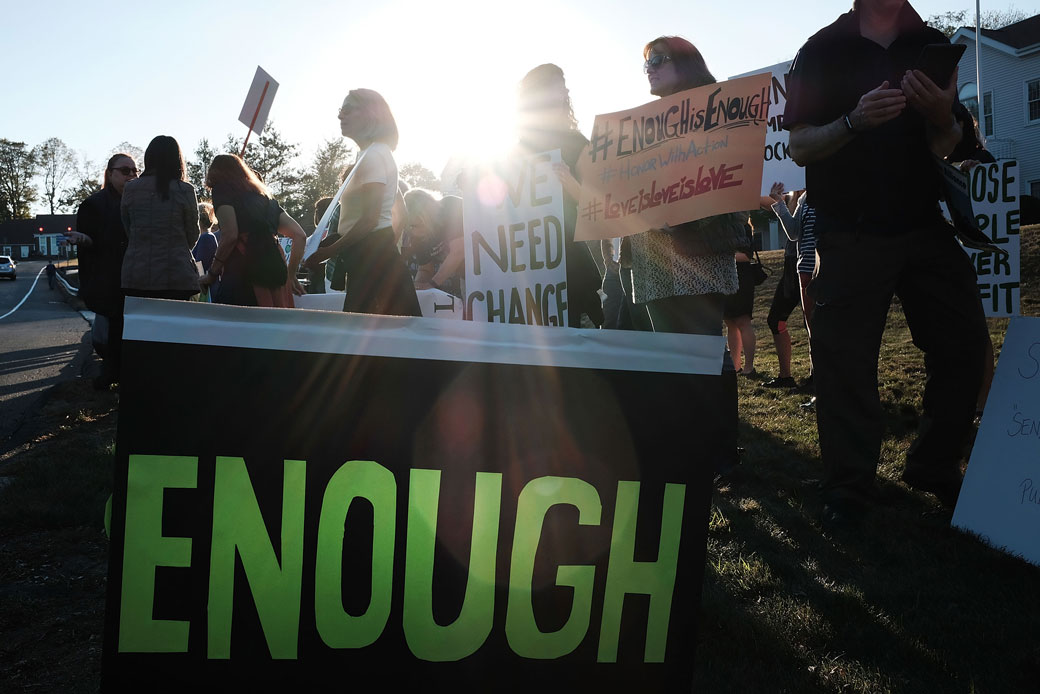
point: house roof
(1018, 35)
(21, 231)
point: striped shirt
(807, 240)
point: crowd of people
(866, 121)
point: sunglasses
(655, 62)
(125, 170)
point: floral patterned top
(659, 270)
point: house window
(969, 96)
(1034, 189)
(1033, 100)
(987, 114)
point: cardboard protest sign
(258, 101)
(409, 503)
(516, 260)
(1000, 498)
(678, 159)
(777, 162)
(994, 200)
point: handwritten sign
(777, 164)
(516, 264)
(258, 101)
(1000, 499)
(684, 157)
(994, 200)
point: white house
(1010, 115)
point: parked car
(7, 267)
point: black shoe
(781, 382)
(840, 518)
(807, 387)
(945, 486)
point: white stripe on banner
(298, 330)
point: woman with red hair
(249, 262)
(683, 273)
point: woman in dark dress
(249, 262)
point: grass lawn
(907, 605)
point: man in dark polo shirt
(865, 125)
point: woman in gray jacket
(161, 215)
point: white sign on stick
(258, 101)
(1000, 499)
(516, 264)
(777, 162)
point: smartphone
(939, 60)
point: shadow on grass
(64, 477)
(907, 604)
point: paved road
(41, 343)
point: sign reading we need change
(516, 261)
(1000, 498)
(678, 159)
(412, 505)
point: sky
(96, 76)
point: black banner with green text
(335, 503)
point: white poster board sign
(258, 101)
(433, 302)
(516, 264)
(436, 303)
(994, 200)
(1000, 499)
(777, 163)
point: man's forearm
(812, 143)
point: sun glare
(467, 108)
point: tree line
(52, 174)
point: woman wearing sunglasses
(377, 279)
(161, 215)
(683, 273)
(102, 243)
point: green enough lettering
(145, 548)
(522, 632)
(239, 526)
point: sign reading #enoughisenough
(678, 159)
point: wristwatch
(848, 123)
